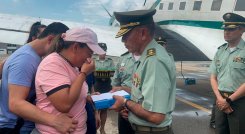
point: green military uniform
(124, 70)
(154, 77)
(123, 77)
(163, 42)
(103, 85)
(228, 66)
(154, 84)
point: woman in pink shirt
(60, 87)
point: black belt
(226, 94)
(149, 129)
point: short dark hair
(35, 30)
(54, 28)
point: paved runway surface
(193, 102)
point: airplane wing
(14, 29)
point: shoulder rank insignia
(222, 45)
(151, 52)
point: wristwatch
(228, 100)
(125, 103)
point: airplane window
(197, 5)
(216, 5)
(240, 5)
(161, 6)
(170, 6)
(182, 5)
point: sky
(84, 11)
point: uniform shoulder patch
(125, 53)
(222, 46)
(151, 52)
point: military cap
(232, 20)
(129, 20)
(161, 40)
(103, 46)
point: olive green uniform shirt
(124, 71)
(103, 85)
(154, 84)
(229, 67)
(106, 64)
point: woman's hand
(88, 67)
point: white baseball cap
(84, 35)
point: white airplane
(14, 30)
(198, 21)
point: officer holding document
(122, 80)
(154, 77)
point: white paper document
(109, 95)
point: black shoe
(212, 126)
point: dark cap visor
(123, 31)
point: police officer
(154, 77)
(163, 42)
(122, 80)
(103, 85)
(228, 77)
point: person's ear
(50, 38)
(75, 47)
(33, 38)
(144, 33)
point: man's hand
(222, 104)
(117, 106)
(64, 123)
(228, 110)
(124, 113)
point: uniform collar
(130, 55)
(240, 45)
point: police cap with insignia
(129, 20)
(232, 20)
(161, 40)
(103, 46)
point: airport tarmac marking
(194, 105)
